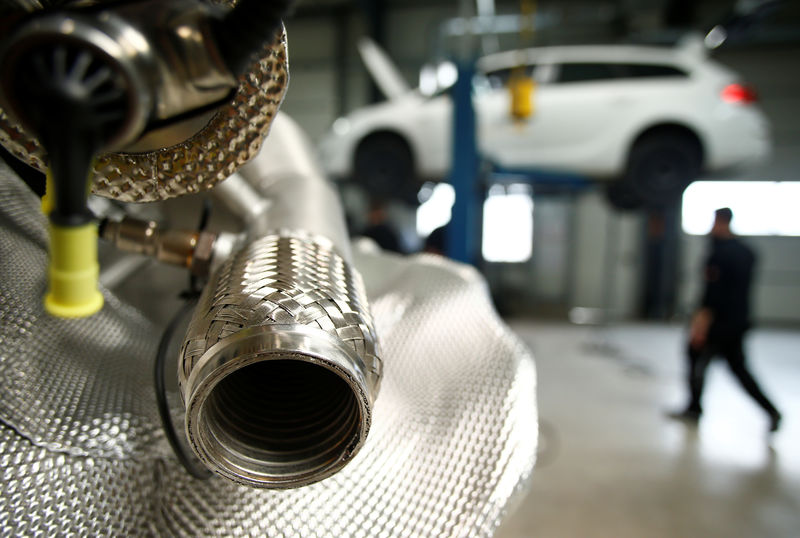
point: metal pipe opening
(278, 406)
(282, 419)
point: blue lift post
(464, 229)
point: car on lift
(644, 120)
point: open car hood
(382, 69)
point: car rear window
(585, 72)
(652, 71)
(596, 71)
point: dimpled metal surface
(229, 140)
(453, 433)
(44, 492)
(80, 386)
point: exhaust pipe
(279, 369)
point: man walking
(720, 324)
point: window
(652, 71)
(759, 207)
(508, 224)
(437, 209)
(586, 72)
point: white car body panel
(584, 128)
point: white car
(646, 119)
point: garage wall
(776, 289)
(411, 40)
(606, 253)
(773, 71)
(607, 246)
(313, 98)
(605, 273)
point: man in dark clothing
(719, 326)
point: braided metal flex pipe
(279, 370)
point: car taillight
(739, 93)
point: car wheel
(384, 167)
(621, 195)
(661, 166)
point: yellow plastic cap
(522, 89)
(74, 272)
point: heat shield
(452, 439)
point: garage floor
(611, 464)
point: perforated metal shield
(453, 432)
(81, 386)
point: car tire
(622, 196)
(661, 166)
(384, 168)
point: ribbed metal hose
(280, 367)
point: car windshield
(599, 71)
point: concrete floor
(612, 465)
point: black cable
(185, 459)
(205, 216)
(190, 296)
